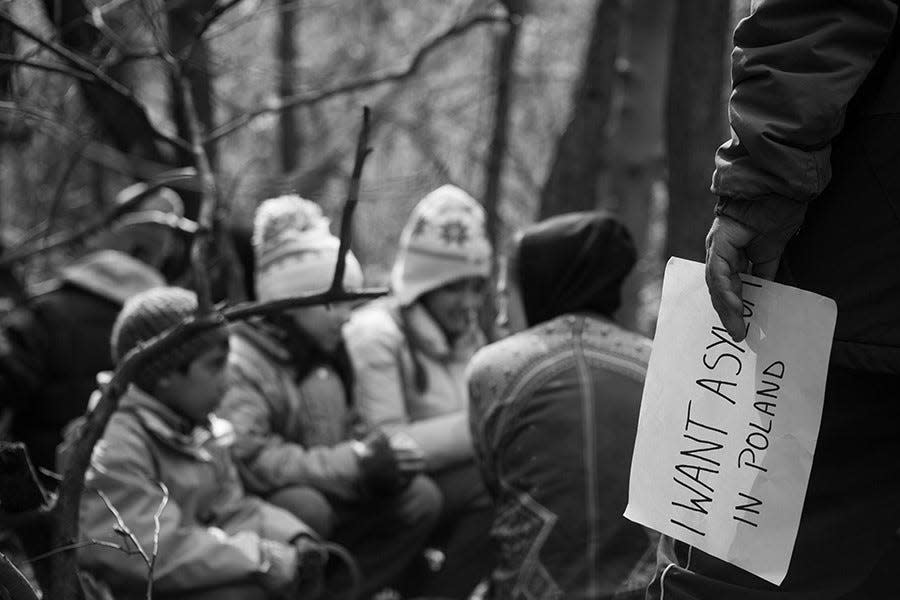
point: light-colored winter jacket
(210, 534)
(384, 347)
(288, 432)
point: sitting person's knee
(308, 505)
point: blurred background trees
(536, 108)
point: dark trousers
(383, 536)
(847, 546)
(463, 535)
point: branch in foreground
(362, 151)
(360, 84)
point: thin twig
(12, 59)
(362, 151)
(76, 546)
(305, 99)
(157, 527)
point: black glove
(311, 559)
(381, 475)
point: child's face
(455, 306)
(198, 391)
(323, 323)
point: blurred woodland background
(535, 108)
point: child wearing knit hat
(409, 352)
(162, 451)
(290, 399)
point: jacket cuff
(766, 215)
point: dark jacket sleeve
(795, 67)
(24, 348)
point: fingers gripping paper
(727, 431)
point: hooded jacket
(554, 416)
(210, 532)
(385, 346)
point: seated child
(290, 399)
(162, 448)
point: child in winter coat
(410, 352)
(290, 399)
(162, 452)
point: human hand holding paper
(728, 429)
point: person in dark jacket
(554, 411)
(53, 345)
(808, 196)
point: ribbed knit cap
(295, 251)
(443, 241)
(146, 315)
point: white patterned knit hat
(443, 241)
(294, 250)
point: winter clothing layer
(571, 263)
(387, 345)
(847, 547)
(576, 380)
(289, 432)
(294, 251)
(294, 427)
(210, 534)
(815, 115)
(52, 347)
(150, 313)
(443, 241)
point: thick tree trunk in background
(694, 120)
(289, 129)
(572, 183)
(122, 121)
(183, 20)
(634, 186)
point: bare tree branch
(100, 78)
(306, 99)
(10, 59)
(362, 151)
(14, 582)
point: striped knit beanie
(149, 313)
(295, 251)
(443, 241)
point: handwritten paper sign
(727, 431)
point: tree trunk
(289, 130)
(572, 184)
(124, 122)
(503, 69)
(635, 181)
(183, 20)
(695, 120)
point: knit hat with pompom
(294, 250)
(149, 313)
